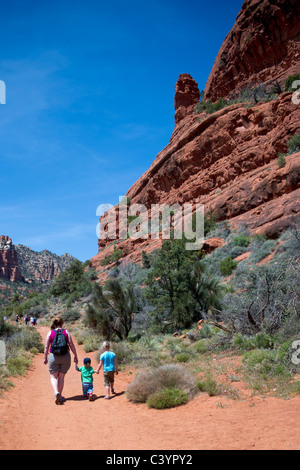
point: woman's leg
(60, 382)
(54, 382)
(57, 381)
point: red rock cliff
(9, 266)
(186, 96)
(228, 160)
(263, 46)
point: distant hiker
(26, 319)
(31, 321)
(110, 366)
(17, 318)
(86, 378)
(59, 341)
(34, 321)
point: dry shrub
(146, 384)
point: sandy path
(29, 419)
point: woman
(59, 364)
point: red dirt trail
(30, 420)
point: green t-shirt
(86, 374)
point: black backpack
(59, 345)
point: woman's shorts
(59, 363)
(109, 377)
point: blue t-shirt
(108, 359)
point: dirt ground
(30, 420)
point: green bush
(183, 357)
(200, 347)
(261, 250)
(293, 144)
(26, 338)
(264, 363)
(146, 384)
(113, 258)
(227, 265)
(206, 331)
(209, 107)
(71, 315)
(167, 398)
(242, 240)
(290, 80)
(18, 365)
(259, 341)
(208, 385)
(281, 161)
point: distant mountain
(41, 266)
(24, 271)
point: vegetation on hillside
(249, 307)
(250, 95)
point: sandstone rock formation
(186, 96)
(9, 266)
(41, 266)
(227, 160)
(263, 46)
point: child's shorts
(87, 388)
(109, 378)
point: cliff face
(228, 160)
(20, 263)
(263, 46)
(41, 266)
(187, 96)
(9, 266)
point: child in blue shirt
(109, 363)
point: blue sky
(89, 105)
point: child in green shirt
(86, 378)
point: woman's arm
(47, 346)
(72, 346)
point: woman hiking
(59, 341)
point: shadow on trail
(95, 397)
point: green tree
(178, 287)
(72, 281)
(227, 265)
(112, 309)
(207, 289)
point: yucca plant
(113, 308)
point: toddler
(86, 378)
